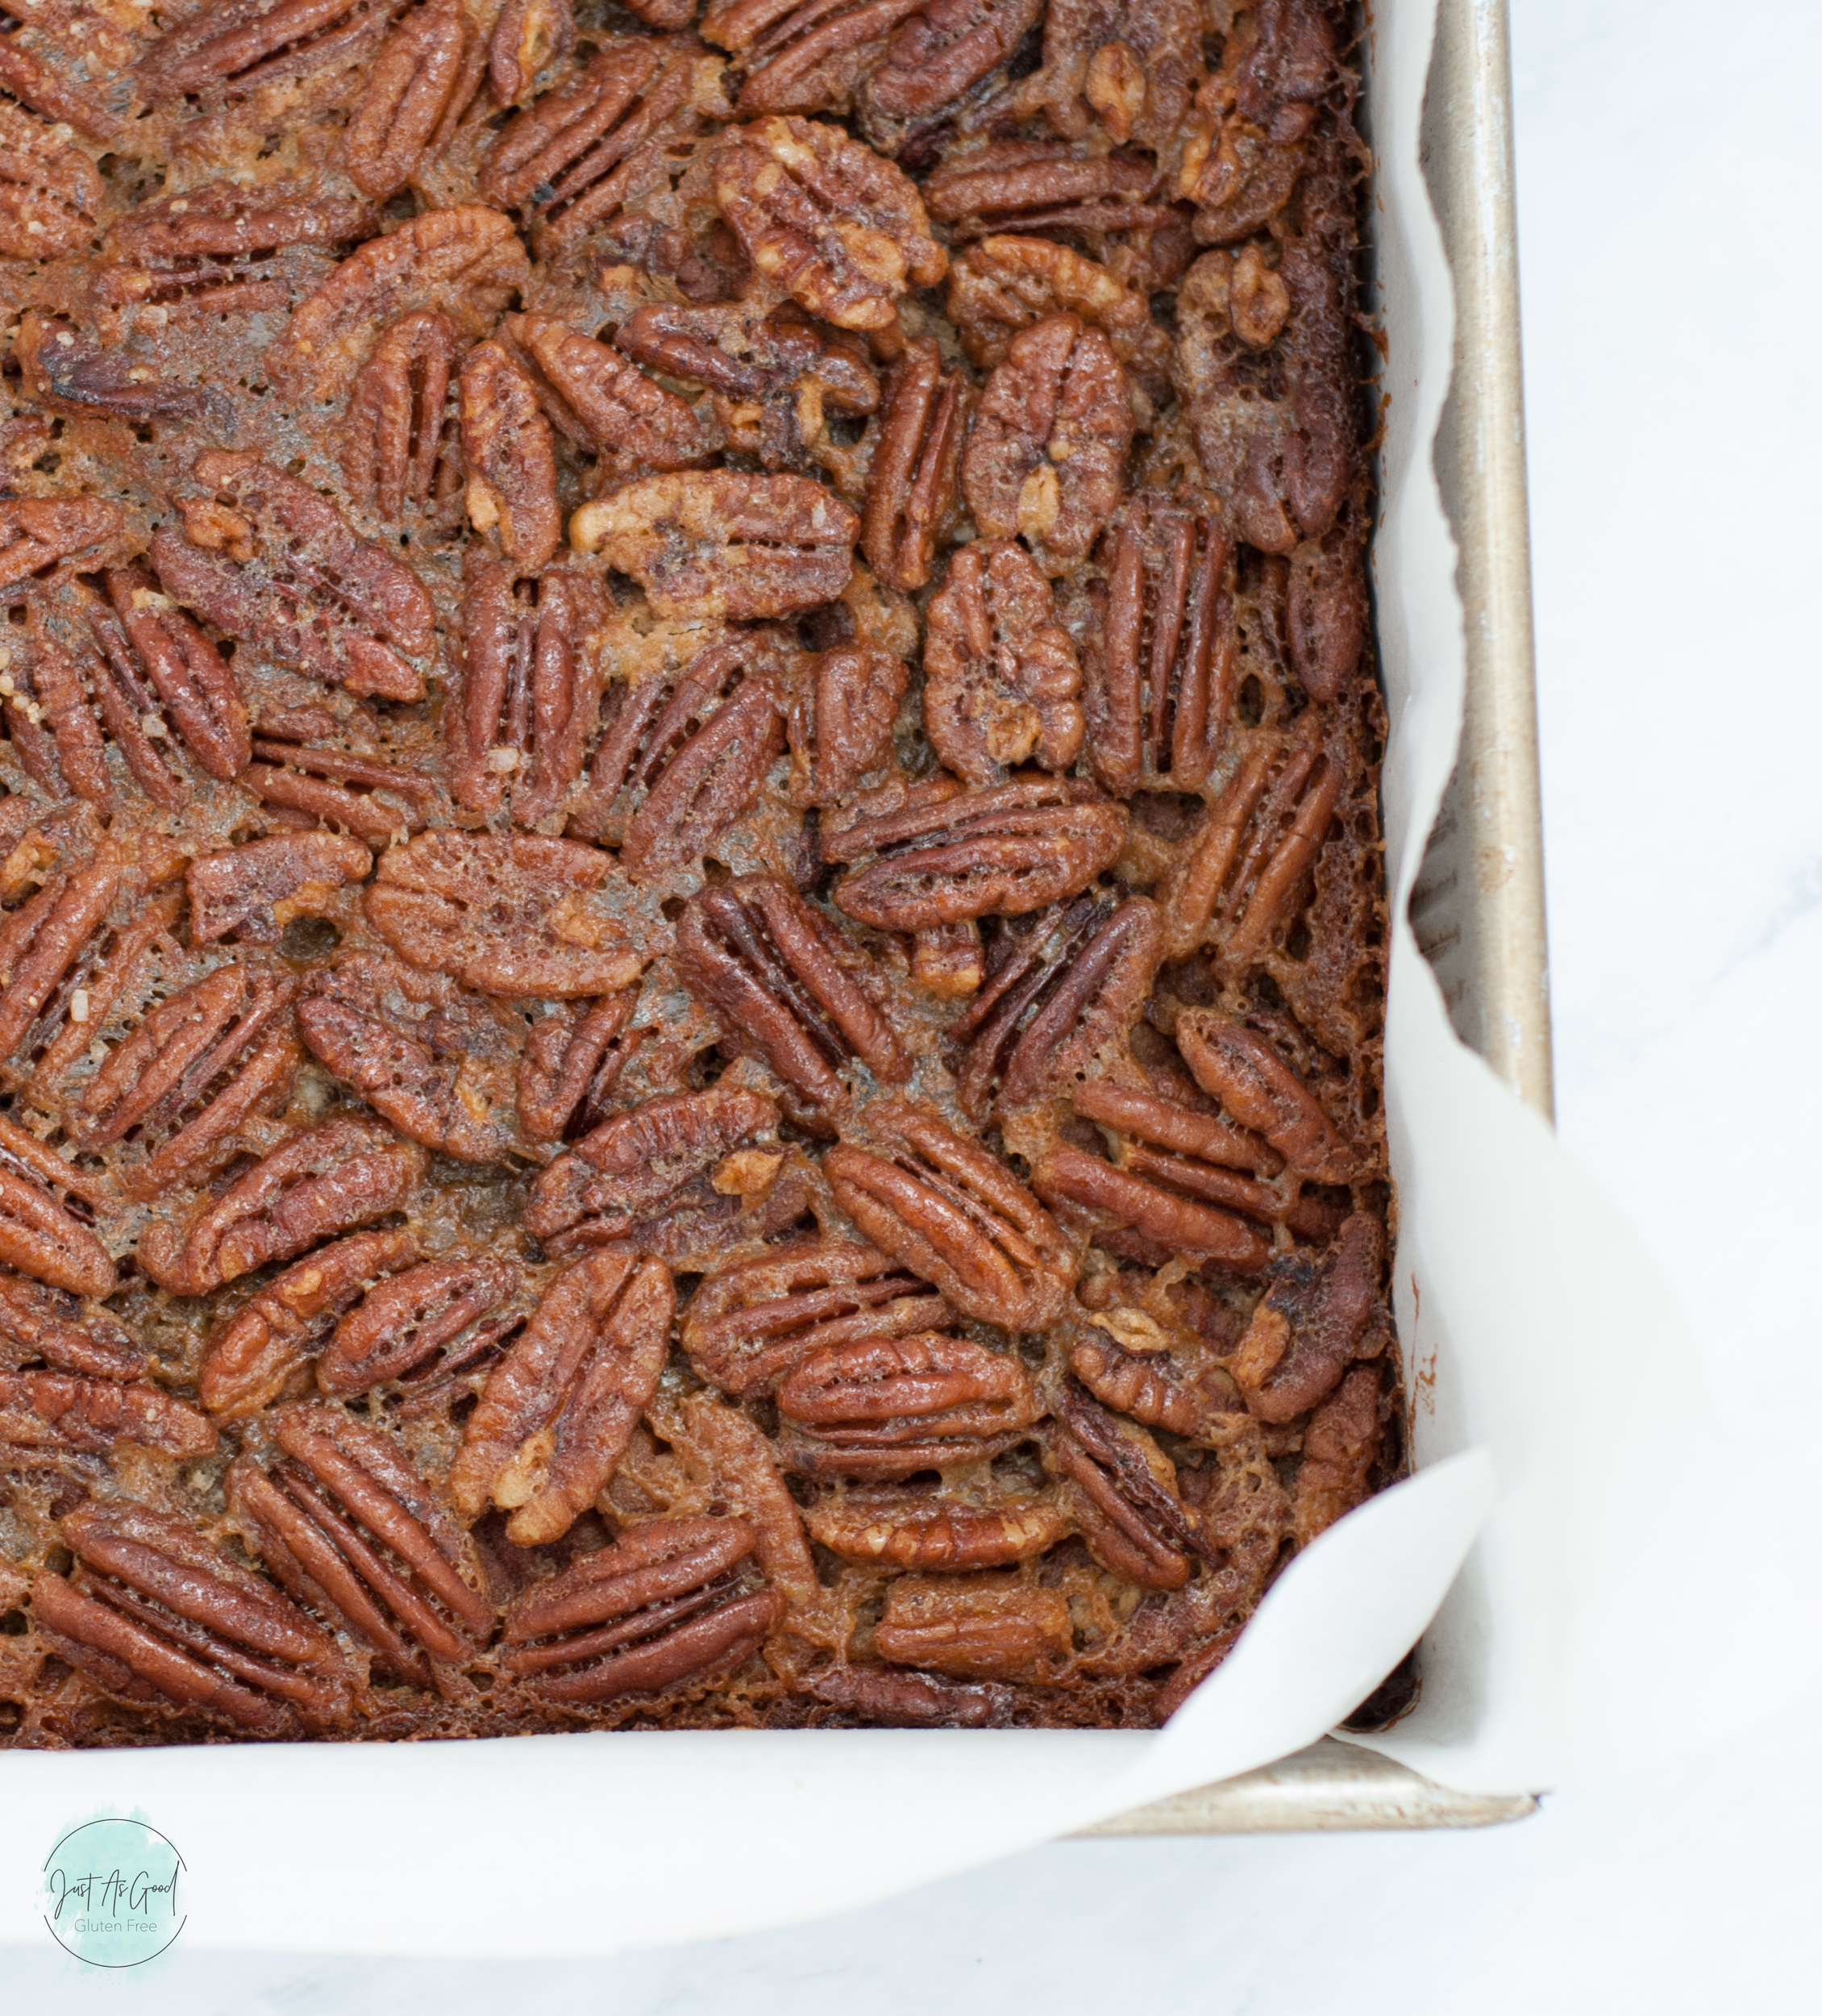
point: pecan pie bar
(691, 935)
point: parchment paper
(1628, 1595)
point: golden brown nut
(842, 232)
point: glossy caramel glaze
(691, 930)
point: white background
(1673, 330)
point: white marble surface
(1671, 292)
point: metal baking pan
(1477, 907)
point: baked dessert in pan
(692, 946)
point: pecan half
(524, 916)
(555, 1416)
(211, 251)
(977, 1627)
(1000, 674)
(1167, 1211)
(465, 262)
(1341, 1446)
(911, 1530)
(681, 758)
(917, 456)
(324, 1181)
(803, 55)
(57, 729)
(306, 589)
(1047, 455)
(56, 1410)
(252, 1355)
(600, 400)
(413, 92)
(710, 545)
(377, 803)
(1065, 992)
(782, 980)
(52, 721)
(1239, 882)
(530, 690)
(672, 1602)
(896, 59)
(843, 704)
(886, 1407)
(1004, 285)
(36, 532)
(1161, 650)
(149, 641)
(1167, 1121)
(155, 1612)
(749, 1325)
(1317, 1316)
(1160, 655)
(36, 1322)
(206, 54)
(394, 436)
(511, 464)
(225, 220)
(572, 1058)
(603, 139)
(349, 1527)
(626, 1171)
(1122, 1490)
(1049, 186)
(51, 194)
(953, 1214)
(412, 1054)
(427, 1319)
(256, 889)
(843, 232)
(936, 55)
(950, 856)
(1242, 1068)
(197, 1066)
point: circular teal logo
(111, 1893)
